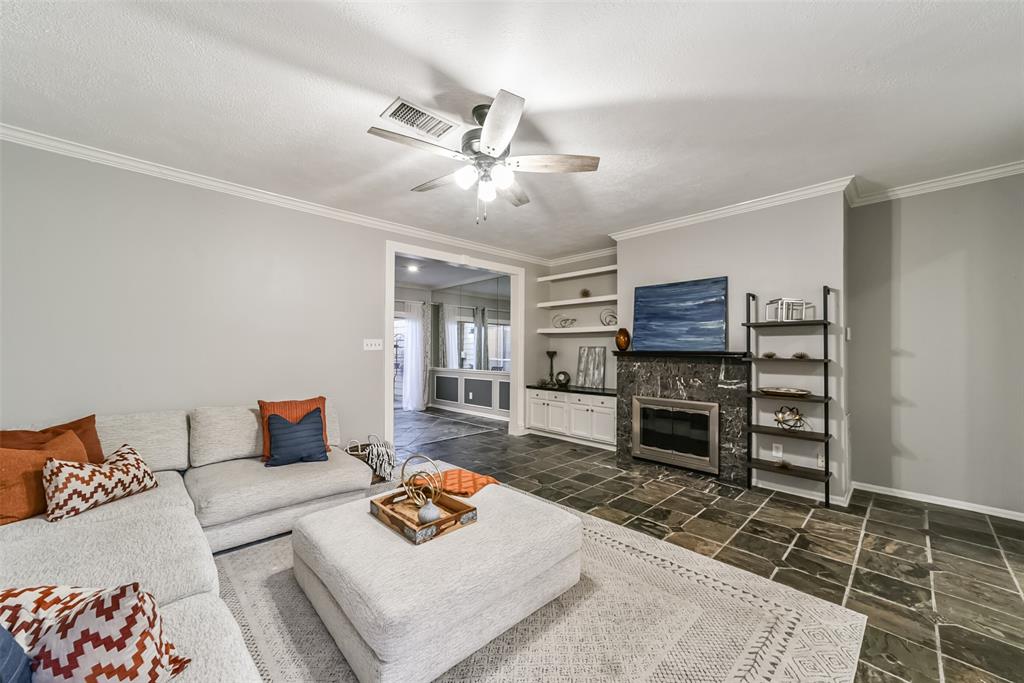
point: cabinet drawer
(537, 393)
(556, 396)
(579, 399)
(603, 401)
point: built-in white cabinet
(581, 416)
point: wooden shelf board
(810, 398)
(602, 299)
(595, 329)
(801, 434)
(811, 473)
(578, 273)
(792, 323)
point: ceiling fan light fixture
(486, 191)
(466, 176)
(502, 176)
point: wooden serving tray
(398, 511)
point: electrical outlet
(849, 334)
(470, 396)
(777, 450)
(373, 345)
(821, 461)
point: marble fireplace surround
(712, 376)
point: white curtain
(414, 375)
(448, 319)
(480, 321)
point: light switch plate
(777, 450)
(373, 345)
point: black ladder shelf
(810, 473)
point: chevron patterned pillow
(74, 487)
(80, 634)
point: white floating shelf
(595, 329)
(603, 299)
(578, 273)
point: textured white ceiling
(690, 106)
(433, 274)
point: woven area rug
(644, 610)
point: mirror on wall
(473, 327)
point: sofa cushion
(161, 438)
(218, 434)
(72, 633)
(300, 441)
(84, 428)
(164, 550)
(226, 491)
(76, 487)
(15, 665)
(170, 493)
(202, 629)
(293, 411)
(22, 492)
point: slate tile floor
(941, 587)
(412, 428)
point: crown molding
(828, 187)
(856, 198)
(68, 148)
(583, 256)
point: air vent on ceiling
(410, 115)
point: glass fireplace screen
(680, 431)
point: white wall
(936, 304)
(789, 250)
(567, 346)
(124, 292)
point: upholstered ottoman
(401, 612)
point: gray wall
(789, 250)
(936, 303)
(123, 292)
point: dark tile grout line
(1006, 560)
(741, 527)
(856, 553)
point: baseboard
(939, 500)
(492, 416)
(572, 439)
(841, 501)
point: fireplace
(676, 432)
(689, 385)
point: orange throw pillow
(22, 494)
(293, 411)
(28, 440)
(464, 483)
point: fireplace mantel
(682, 354)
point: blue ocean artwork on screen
(681, 316)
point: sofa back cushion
(161, 438)
(219, 434)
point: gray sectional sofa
(214, 493)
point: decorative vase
(622, 339)
(428, 513)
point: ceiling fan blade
(501, 123)
(435, 183)
(553, 163)
(418, 144)
(514, 194)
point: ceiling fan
(486, 153)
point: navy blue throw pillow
(15, 665)
(301, 441)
